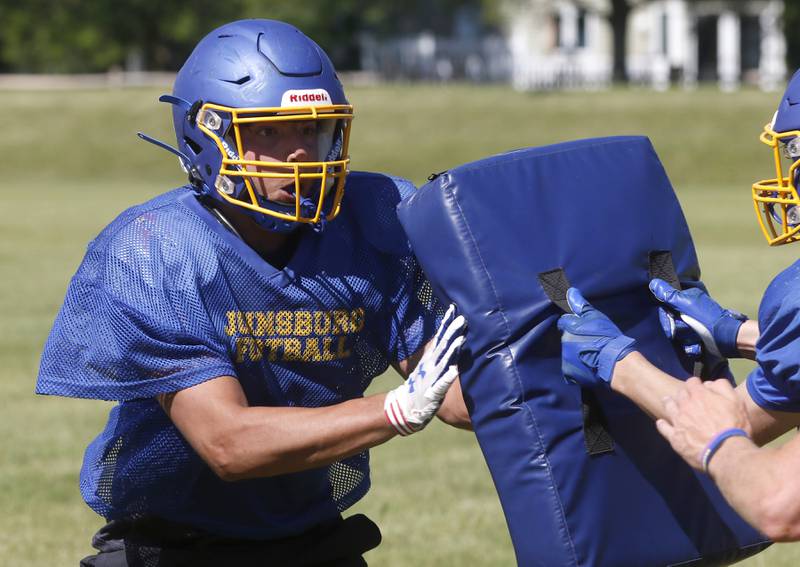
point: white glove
(410, 407)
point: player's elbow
(779, 530)
(225, 456)
(231, 459)
(778, 517)
(223, 461)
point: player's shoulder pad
(372, 199)
(779, 320)
(142, 240)
(781, 298)
(778, 347)
(131, 215)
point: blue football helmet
(251, 93)
(777, 201)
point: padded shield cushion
(484, 232)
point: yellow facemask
(776, 200)
(224, 126)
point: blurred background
(434, 84)
(532, 44)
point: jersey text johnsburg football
(167, 298)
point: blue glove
(717, 327)
(680, 333)
(591, 344)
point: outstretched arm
(238, 441)
(761, 484)
(597, 354)
(707, 423)
(637, 379)
(648, 387)
(710, 424)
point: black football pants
(151, 542)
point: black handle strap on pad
(596, 437)
(661, 266)
(555, 285)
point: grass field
(72, 162)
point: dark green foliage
(82, 36)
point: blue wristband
(714, 445)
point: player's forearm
(761, 485)
(644, 384)
(268, 441)
(454, 411)
(747, 338)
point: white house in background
(569, 43)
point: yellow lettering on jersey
(273, 345)
(310, 336)
(327, 354)
(302, 323)
(265, 323)
(230, 328)
(341, 351)
(248, 324)
(322, 322)
(257, 350)
(241, 324)
(248, 347)
(283, 322)
(341, 322)
(291, 349)
(311, 351)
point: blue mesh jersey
(775, 383)
(167, 298)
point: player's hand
(697, 413)
(412, 405)
(591, 344)
(678, 332)
(717, 327)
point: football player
(238, 320)
(714, 427)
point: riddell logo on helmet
(229, 150)
(310, 97)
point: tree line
(88, 36)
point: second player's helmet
(263, 74)
(777, 200)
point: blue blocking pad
(599, 209)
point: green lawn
(72, 162)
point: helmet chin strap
(307, 208)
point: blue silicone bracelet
(714, 445)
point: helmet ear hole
(192, 145)
(191, 116)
